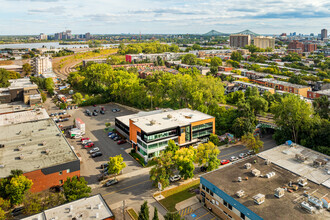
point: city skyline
(163, 17)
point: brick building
(39, 149)
(317, 94)
(299, 47)
(239, 40)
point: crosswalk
(185, 211)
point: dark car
(111, 182)
(94, 105)
(95, 113)
(17, 211)
(95, 110)
(102, 112)
(115, 110)
(104, 165)
(203, 168)
(117, 138)
(97, 154)
(242, 155)
(113, 136)
(103, 109)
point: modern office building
(324, 34)
(239, 40)
(286, 182)
(285, 86)
(149, 132)
(93, 207)
(264, 42)
(42, 65)
(20, 90)
(38, 148)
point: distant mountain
(248, 32)
(214, 33)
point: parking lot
(95, 126)
(200, 214)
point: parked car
(175, 178)
(103, 109)
(95, 110)
(94, 105)
(89, 145)
(242, 155)
(104, 165)
(84, 142)
(84, 138)
(102, 177)
(115, 110)
(117, 138)
(113, 136)
(17, 211)
(97, 154)
(95, 149)
(102, 112)
(51, 115)
(110, 133)
(121, 142)
(233, 158)
(223, 162)
(95, 113)
(111, 182)
(250, 152)
(203, 168)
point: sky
(23, 17)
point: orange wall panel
(133, 129)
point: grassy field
(178, 194)
(133, 214)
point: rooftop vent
(97, 215)
(2, 166)
(240, 193)
(2, 145)
(19, 148)
(21, 157)
(302, 182)
(301, 157)
(279, 192)
(247, 166)
(188, 116)
(269, 175)
(259, 198)
(169, 116)
(255, 172)
(319, 162)
(239, 179)
(153, 122)
(267, 162)
(99, 206)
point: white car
(233, 158)
(86, 141)
(94, 150)
(175, 178)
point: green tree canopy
(163, 169)
(116, 164)
(236, 56)
(252, 142)
(207, 154)
(144, 211)
(77, 98)
(322, 106)
(76, 188)
(171, 146)
(189, 59)
(155, 215)
(184, 160)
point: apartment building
(239, 40)
(152, 57)
(285, 86)
(21, 90)
(264, 42)
(251, 74)
(274, 185)
(149, 132)
(317, 94)
(261, 89)
(42, 65)
(299, 47)
(324, 34)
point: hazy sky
(163, 16)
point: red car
(90, 145)
(84, 138)
(223, 162)
(121, 142)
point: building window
(207, 190)
(225, 203)
(242, 216)
(203, 187)
(230, 216)
(61, 182)
(212, 193)
(60, 172)
(67, 170)
(230, 207)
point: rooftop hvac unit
(21, 157)
(19, 148)
(240, 193)
(315, 201)
(239, 179)
(279, 192)
(2, 166)
(169, 116)
(259, 198)
(43, 143)
(255, 172)
(99, 206)
(269, 175)
(307, 207)
(302, 182)
(247, 166)
(300, 157)
(267, 162)
(152, 122)
(97, 215)
(319, 162)
(2, 145)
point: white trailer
(80, 125)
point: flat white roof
(93, 207)
(284, 156)
(169, 119)
(23, 116)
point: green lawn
(178, 194)
(133, 214)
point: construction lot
(95, 126)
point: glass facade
(160, 135)
(198, 134)
(188, 135)
(154, 145)
(202, 126)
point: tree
(14, 188)
(189, 59)
(32, 203)
(75, 188)
(207, 154)
(252, 143)
(2, 214)
(163, 169)
(214, 139)
(4, 77)
(77, 98)
(172, 216)
(171, 146)
(144, 211)
(43, 96)
(49, 85)
(321, 106)
(107, 124)
(4, 204)
(236, 56)
(116, 164)
(258, 104)
(216, 61)
(27, 68)
(184, 160)
(293, 114)
(155, 215)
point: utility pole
(124, 209)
